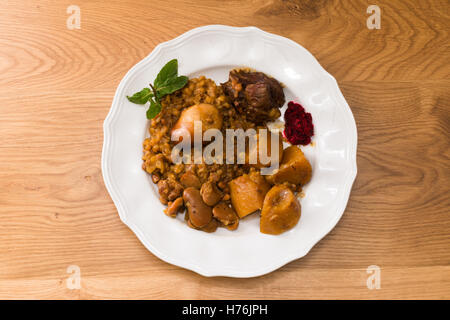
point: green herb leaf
(166, 82)
(154, 109)
(169, 71)
(141, 97)
(171, 86)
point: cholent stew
(220, 194)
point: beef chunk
(254, 95)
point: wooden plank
(56, 87)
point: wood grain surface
(56, 88)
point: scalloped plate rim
(121, 207)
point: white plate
(212, 51)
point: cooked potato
(254, 152)
(257, 178)
(206, 113)
(294, 168)
(280, 212)
(247, 196)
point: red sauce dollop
(298, 128)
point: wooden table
(56, 88)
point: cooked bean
(226, 215)
(189, 179)
(210, 194)
(199, 213)
(189, 223)
(233, 226)
(211, 226)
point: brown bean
(210, 194)
(199, 213)
(226, 215)
(233, 226)
(174, 207)
(211, 226)
(189, 223)
(189, 179)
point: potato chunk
(294, 168)
(253, 153)
(247, 195)
(281, 211)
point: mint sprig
(166, 82)
(142, 96)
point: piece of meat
(255, 95)
(258, 94)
